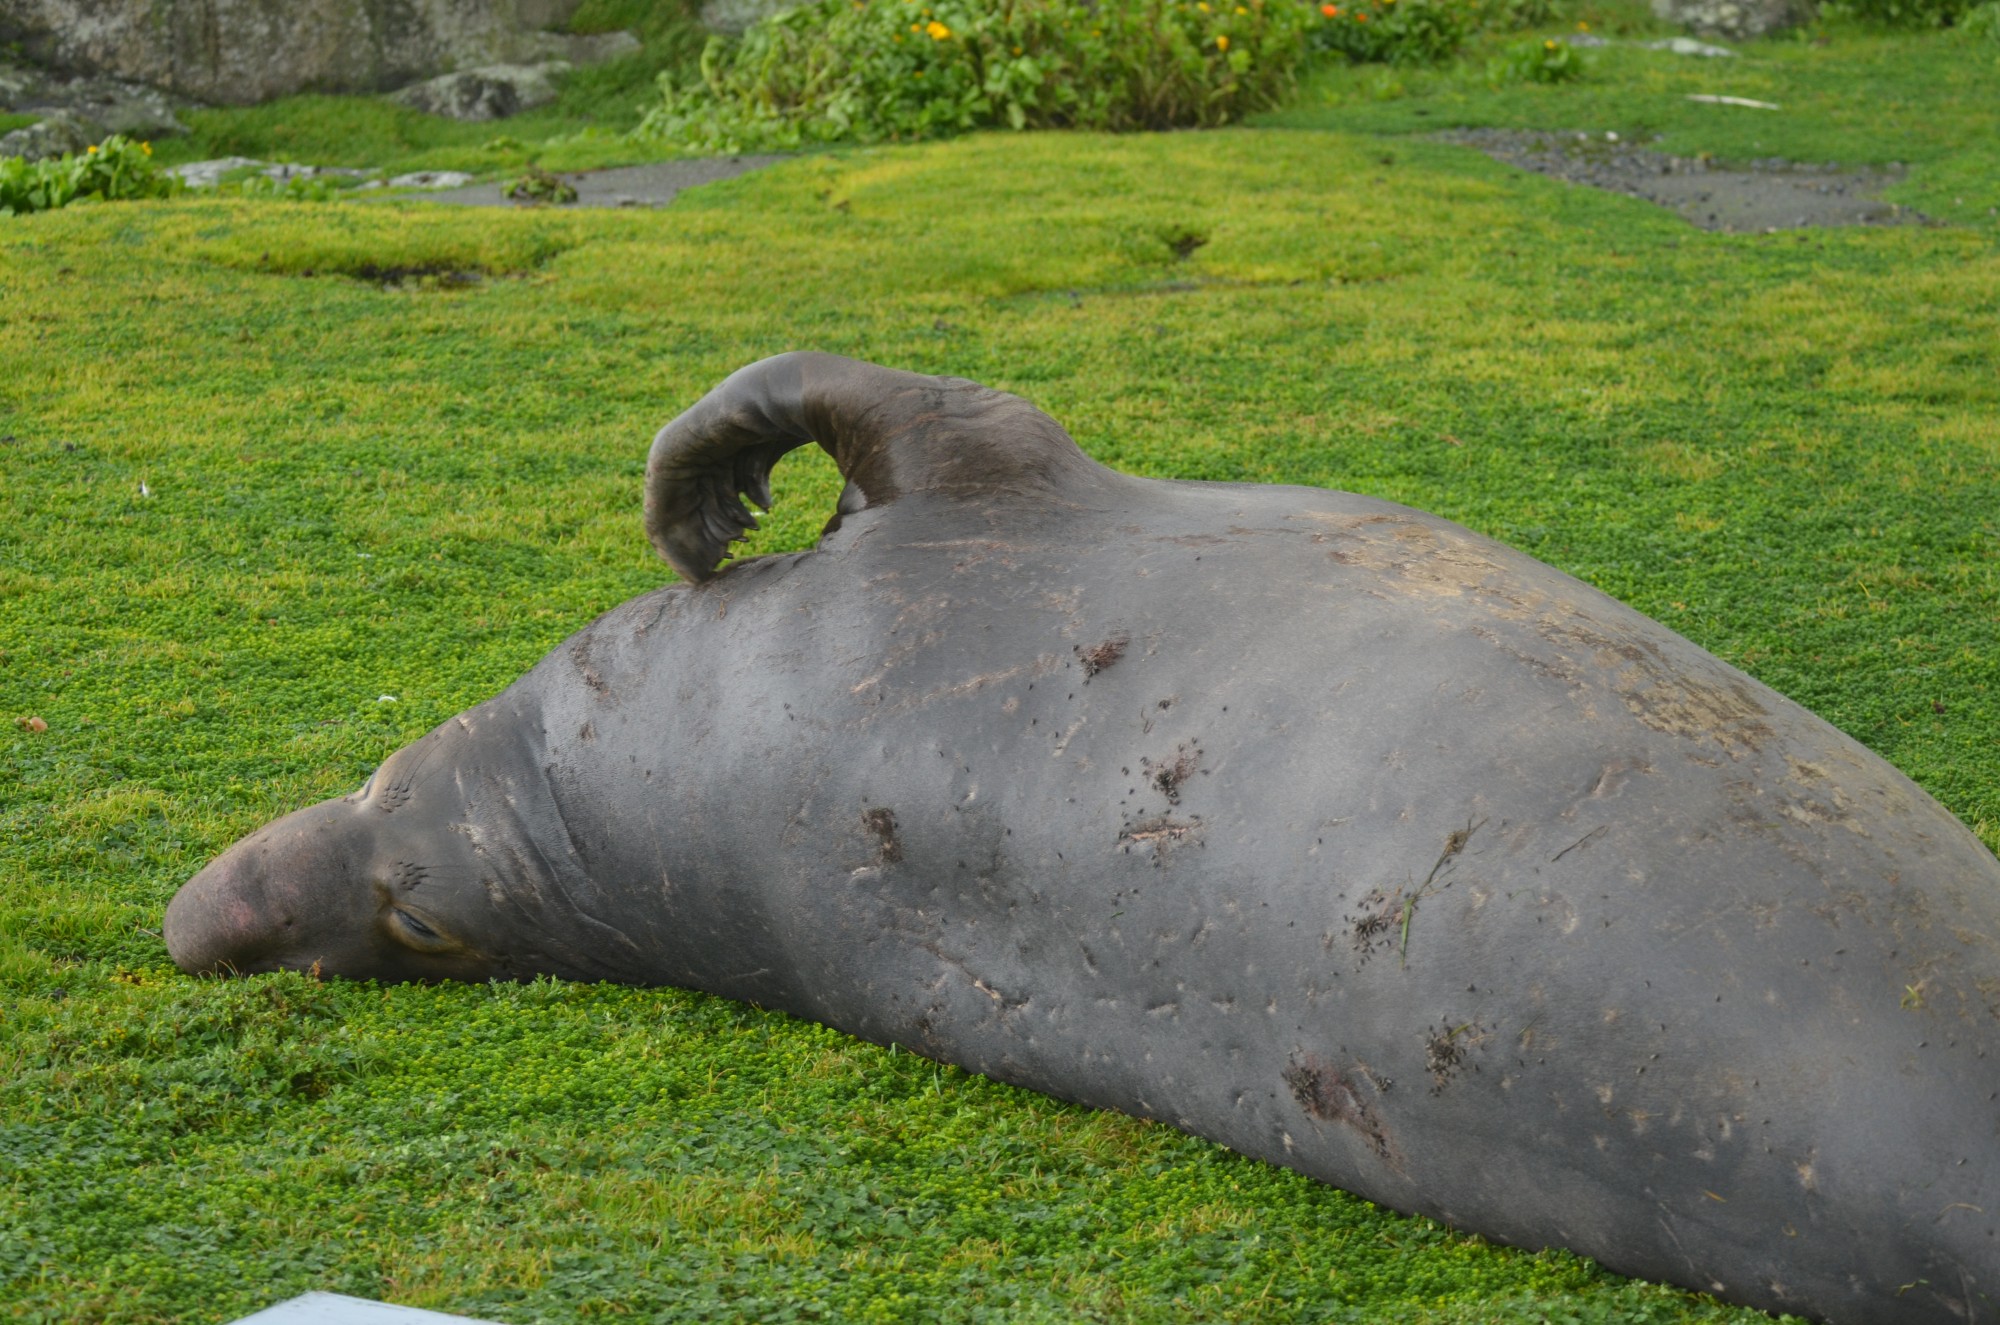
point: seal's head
(376, 885)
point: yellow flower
(1582, 26)
(1222, 43)
(147, 148)
(1202, 5)
(938, 31)
(1241, 10)
(1549, 45)
(93, 149)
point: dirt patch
(1169, 774)
(1100, 656)
(1161, 835)
(434, 277)
(1374, 926)
(1448, 1050)
(1754, 197)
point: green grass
(1846, 93)
(1786, 447)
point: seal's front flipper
(891, 432)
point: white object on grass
(339, 1309)
(1712, 100)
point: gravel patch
(1755, 197)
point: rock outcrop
(244, 51)
(76, 112)
(1728, 18)
(492, 92)
(732, 17)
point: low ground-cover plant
(1983, 23)
(1537, 61)
(1784, 446)
(888, 70)
(119, 167)
(1398, 31)
(540, 186)
(1905, 13)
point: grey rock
(58, 133)
(121, 107)
(285, 172)
(732, 17)
(244, 51)
(1732, 18)
(105, 105)
(208, 174)
(1689, 46)
(492, 92)
(594, 48)
(431, 179)
(17, 83)
(1586, 40)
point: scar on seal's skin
(881, 821)
(1329, 1095)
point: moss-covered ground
(249, 495)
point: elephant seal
(1309, 823)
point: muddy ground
(1753, 197)
(652, 185)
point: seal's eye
(416, 933)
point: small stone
(492, 92)
(431, 179)
(732, 17)
(208, 174)
(1689, 46)
(31, 724)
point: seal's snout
(220, 922)
(260, 904)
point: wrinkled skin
(1311, 824)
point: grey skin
(1309, 823)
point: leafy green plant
(539, 186)
(1514, 15)
(119, 167)
(1983, 22)
(298, 188)
(1409, 32)
(1538, 61)
(874, 70)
